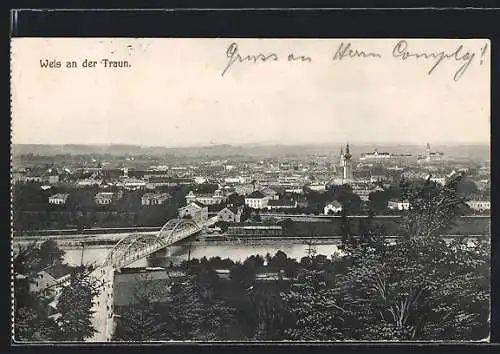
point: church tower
(347, 164)
(341, 156)
(428, 152)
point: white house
(89, 182)
(332, 208)
(234, 180)
(479, 205)
(256, 200)
(396, 204)
(132, 183)
(52, 279)
(200, 180)
(317, 187)
(106, 198)
(295, 190)
(363, 193)
(58, 199)
(438, 180)
(51, 178)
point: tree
(419, 288)
(272, 317)
(50, 253)
(379, 199)
(348, 241)
(28, 261)
(434, 208)
(179, 312)
(466, 187)
(31, 321)
(313, 309)
(245, 213)
(223, 225)
(75, 306)
(256, 216)
(207, 188)
(415, 290)
(142, 320)
(278, 262)
(235, 199)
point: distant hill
(475, 152)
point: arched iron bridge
(136, 246)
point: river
(179, 253)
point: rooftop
(256, 195)
(104, 194)
(58, 270)
(59, 196)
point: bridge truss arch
(136, 246)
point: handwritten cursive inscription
(235, 57)
(345, 50)
(401, 51)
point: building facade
(479, 205)
(256, 200)
(229, 214)
(52, 280)
(396, 204)
(332, 208)
(195, 210)
(58, 199)
(106, 198)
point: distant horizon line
(353, 143)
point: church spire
(347, 148)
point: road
(103, 318)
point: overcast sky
(174, 95)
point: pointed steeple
(347, 148)
(341, 150)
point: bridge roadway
(128, 250)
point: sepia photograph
(250, 190)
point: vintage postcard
(249, 190)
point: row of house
(108, 198)
(476, 205)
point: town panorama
(346, 241)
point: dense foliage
(32, 313)
(419, 287)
